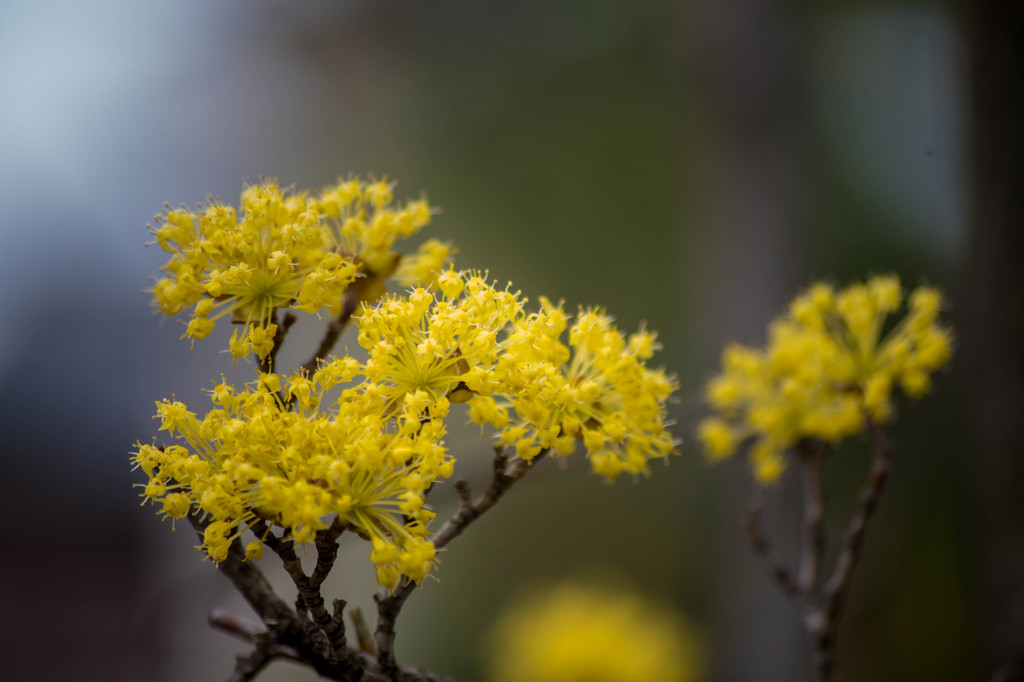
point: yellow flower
(829, 365)
(425, 266)
(597, 390)
(275, 452)
(425, 343)
(285, 249)
(251, 458)
(365, 224)
(580, 633)
(272, 254)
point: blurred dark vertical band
(744, 204)
(993, 318)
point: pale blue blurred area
(889, 102)
(685, 164)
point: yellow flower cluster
(421, 345)
(252, 458)
(597, 390)
(274, 452)
(578, 633)
(287, 249)
(831, 364)
(277, 453)
(475, 344)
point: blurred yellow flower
(593, 633)
(830, 365)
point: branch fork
(308, 634)
(822, 602)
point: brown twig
(363, 635)
(287, 636)
(233, 625)
(248, 667)
(249, 580)
(267, 649)
(326, 552)
(812, 459)
(822, 605)
(309, 593)
(334, 329)
(389, 605)
(776, 569)
(282, 624)
(839, 583)
(267, 363)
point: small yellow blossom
(270, 254)
(277, 451)
(596, 390)
(577, 633)
(831, 363)
(424, 345)
(425, 266)
(284, 249)
(365, 224)
(251, 458)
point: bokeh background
(688, 164)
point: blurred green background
(691, 165)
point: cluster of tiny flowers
(271, 452)
(277, 453)
(285, 249)
(475, 344)
(832, 363)
(598, 634)
(546, 396)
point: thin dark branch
(250, 581)
(289, 637)
(812, 461)
(853, 538)
(229, 623)
(335, 328)
(822, 605)
(464, 493)
(326, 552)
(248, 667)
(502, 480)
(309, 594)
(389, 605)
(363, 635)
(776, 569)
(821, 619)
(267, 363)
(267, 649)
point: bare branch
(853, 538)
(267, 363)
(812, 459)
(267, 649)
(363, 635)
(250, 582)
(776, 569)
(335, 328)
(464, 493)
(389, 605)
(248, 667)
(229, 623)
(289, 637)
(821, 616)
(326, 552)
(309, 593)
(503, 480)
